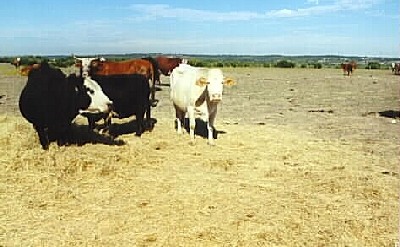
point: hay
(269, 184)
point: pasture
(304, 157)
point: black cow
(50, 101)
(130, 96)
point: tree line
(214, 61)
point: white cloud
(166, 11)
(154, 11)
(313, 2)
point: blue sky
(252, 27)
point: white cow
(197, 92)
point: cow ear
(201, 81)
(229, 82)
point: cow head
(84, 65)
(214, 82)
(96, 64)
(90, 97)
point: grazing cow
(197, 90)
(130, 96)
(16, 62)
(396, 68)
(50, 101)
(146, 67)
(167, 64)
(348, 67)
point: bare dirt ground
(303, 158)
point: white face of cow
(100, 103)
(215, 81)
(84, 64)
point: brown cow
(167, 64)
(348, 67)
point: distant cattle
(348, 67)
(197, 92)
(50, 101)
(16, 62)
(396, 68)
(146, 67)
(167, 64)
(130, 96)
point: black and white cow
(130, 96)
(50, 101)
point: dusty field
(303, 159)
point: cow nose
(216, 97)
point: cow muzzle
(216, 97)
(107, 108)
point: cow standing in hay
(197, 92)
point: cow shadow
(390, 114)
(82, 135)
(200, 129)
(117, 129)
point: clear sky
(251, 27)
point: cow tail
(155, 76)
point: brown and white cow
(197, 92)
(396, 68)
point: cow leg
(43, 134)
(180, 118)
(64, 137)
(210, 124)
(139, 121)
(192, 123)
(153, 100)
(91, 122)
(149, 123)
(107, 123)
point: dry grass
(302, 167)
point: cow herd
(104, 90)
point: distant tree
(317, 66)
(285, 64)
(373, 65)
